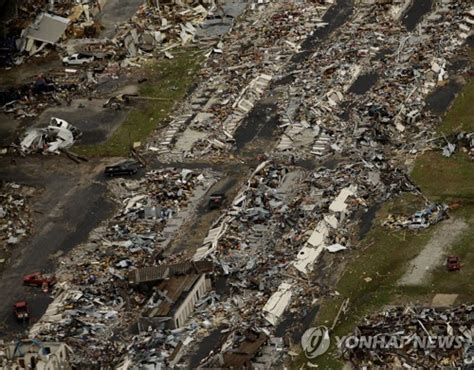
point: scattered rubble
(57, 136)
(91, 293)
(14, 213)
(58, 88)
(121, 301)
(45, 355)
(74, 29)
(462, 140)
(411, 337)
(237, 74)
(431, 215)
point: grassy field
(461, 114)
(168, 81)
(370, 279)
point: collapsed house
(176, 289)
(422, 219)
(47, 29)
(270, 241)
(413, 337)
(35, 355)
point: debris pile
(14, 213)
(383, 75)
(413, 337)
(277, 231)
(39, 24)
(462, 140)
(153, 31)
(161, 27)
(92, 295)
(59, 135)
(288, 223)
(55, 89)
(422, 219)
(237, 74)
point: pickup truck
(37, 279)
(78, 59)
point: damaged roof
(47, 28)
(151, 274)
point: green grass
(384, 254)
(447, 179)
(461, 115)
(383, 258)
(169, 80)
(459, 282)
(452, 180)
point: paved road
(72, 203)
(116, 12)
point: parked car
(216, 200)
(20, 311)
(127, 169)
(37, 279)
(453, 263)
(78, 59)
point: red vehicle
(39, 280)
(20, 310)
(453, 263)
(216, 200)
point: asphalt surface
(115, 12)
(69, 205)
(89, 116)
(415, 13)
(74, 200)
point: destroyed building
(408, 328)
(176, 289)
(14, 213)
(36, 355)
(47, 29)
(295, 211)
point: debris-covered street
(212, 183)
